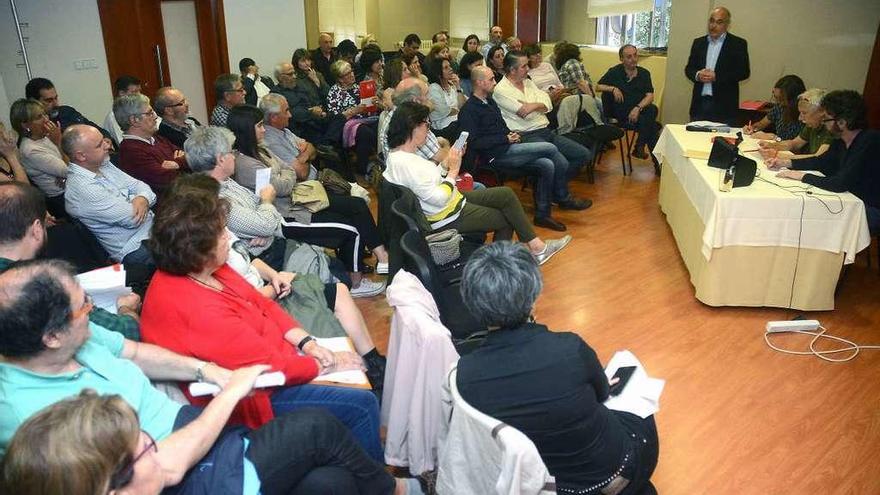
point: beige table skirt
(745, 275)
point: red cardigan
(233, 328)
(143, 161)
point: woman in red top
(198, 306)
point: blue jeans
(873, 214)
(548, 162)
(356, 408)
(578, 156)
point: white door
(184, 56)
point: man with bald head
(496, 37)
(177, 124)
(324, 56)
(491, 139)
(717, 63)
(113, 205)
(414, 89)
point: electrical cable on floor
(850, 346)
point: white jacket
(420, 352)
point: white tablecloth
(770, 212)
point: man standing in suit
(717, 63)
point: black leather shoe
(575, 204)
(640, 152)
(549, 223)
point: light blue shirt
(285, 145)
(102, 202)
(23, 393)
(712, 53)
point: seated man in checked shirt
(112, 204)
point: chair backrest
(484, 455)
(402, 217)
(417, 260)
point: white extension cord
(810, 327)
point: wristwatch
(304, 341)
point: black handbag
(589, 133)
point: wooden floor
(735, 417)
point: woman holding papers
(197, 305)
(344, 98)
(549, 385)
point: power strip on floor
(792, 326)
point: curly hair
(791, 87)
(187, 226)
(406, 118)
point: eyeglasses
(828, 120)
(86, 308)
(178, 104)
(151, 113)
(123, 476)
(239, 90)
(288, 74)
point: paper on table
(353, 377)
(707, 123)
(641, 396)
(105, 285)
(262, 179)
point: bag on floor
(311, 195)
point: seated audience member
(395, 71)
(112, 204)
(24, 236)
(548, 385)
(633, 94)
(411, 45)
(447, 98)
(544, 75)
(496, 38)
(438, 52)
(40, 147)
(10, 166)
(496, 209)
(524, 108)
(471, 45)
(124, 85)
(173, 109)
(340, 226)
(571, 70)
(412, 89)
(306, 92)
(814, 139)
(493, 141)
(142, 154)
(347, 51)
(42, 90)
(850, 162)
(783, 116)
(466, 66)
(236, 325)
(57, 443)
(513, 44)
(285, 145)
(229, 91)
(495, 61)
(416, 69)
(324, 56)
(372, 64)
(255, 85)
(344, 98)
(441, 37)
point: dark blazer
(731, 68)
(250, 93)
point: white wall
(184, 54)
(267, 31)
(59, 32)
(827, 43)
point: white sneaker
(552, 247)
(382, 268)
(368, 288)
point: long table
(777, 242)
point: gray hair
(71, 138)
(813, 97)
(271, 103)
(412, 93)
(128, 106)
(205, 144)
(500, 283)
(279, 68)
(224, 83)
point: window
(643, 29)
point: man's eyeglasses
(178, 104)
(288, 74)
(151, 113)
(123, 476)
(86, 308)
(828, 120)
(236, 90)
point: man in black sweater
(851, 162)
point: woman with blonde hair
(40, 146)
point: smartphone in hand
(623, 375)
(460, 142)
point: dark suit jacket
(250, 93)
(731, 68)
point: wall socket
(85, 64)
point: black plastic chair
(466, 330)
(630, 134)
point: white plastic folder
(641, 396)
(352, 377)
(262, 179)
(105, 285)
